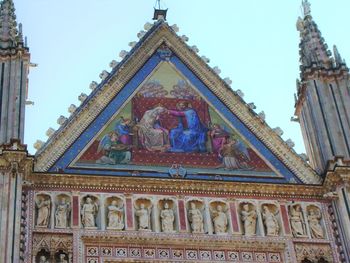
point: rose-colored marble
(76, 210)
(234, 218)
(129, 215)
(182, 215)
(285, 219)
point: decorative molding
(130, 184)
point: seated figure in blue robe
(190, 135)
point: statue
(219, 220)
(62, 259)
(167, 218)
(306, 7)
(43, 259)
(62, 213)
(297, 221)
(314, 219)
(196, 219)
(270, 222)
(89, 212)
(115, 216)
(44, 212)
(143, 215)
(249, 220)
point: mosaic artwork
(168, 123)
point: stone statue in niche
(115, 216)
(62, 259)
(270, 221)
(89, 213)
(62, 213)
(196, 219)
(43, 205)
(143, 215)
(167, 219)
(43, 259)
(314, 217)
(297, 221)
(248, 217)
(220, 221)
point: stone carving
(167, 219)
(314, 217)
(43, 259)
(248, 217)
(219, 219)
(195, 217)
(115, 216)
(89, 212)
(269, 215)
(297, 221)
(44, 245)
(62, 259)
(62, 213)
(43, 204)
(313, 253)
(143, 214)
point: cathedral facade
(164, 162)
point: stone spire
(9, 34)
(14, 70)
(314, 53)
(322, 99)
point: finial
(159, 12)
(306, 7)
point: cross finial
(306, 7)
(159, 12)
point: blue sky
(255, 43)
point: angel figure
(219, 136)
(220, 220)
(114, 151)
(314, 219)
(123, 128)
(115, 216)
(143, 215)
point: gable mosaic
(167, 123)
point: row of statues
(195, 213)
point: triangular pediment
(164, 113)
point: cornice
(69, 133)
(73, 182)
(199, 241)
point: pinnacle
(9, 34)
(314, 51)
